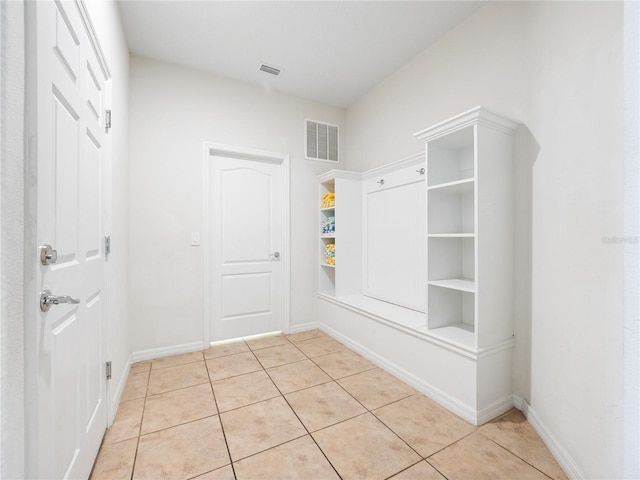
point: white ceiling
(329, 51)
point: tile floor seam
(397, 401)
(404, 469)
(257, 360)
(270, 448)
(135, 458)
(270, 346)
(399, 437)
(176, 365)
(340, 422)
(351, 395)
(135, 455)
(175, 389)
(224, 435)
(278, 366)
(436, 469)
(249, 404)
(304, 426)
(346, 376)
(261, 369)
(514, 454)
(306, 388)
(176, 425)
(283, 364)
(450, 445)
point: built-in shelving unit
(469, 228)
(327, 272)
(424, 250)
(339, 278)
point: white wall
(106, 21)
(557, 66)
(174, 110)
(12, 446)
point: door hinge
(107, 245)
(107, 120)
(108, 370)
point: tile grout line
(281, 395)
(514, 454)
(371, 411)
(422, 458)
(144, 405)
(224, 435)
(449, 445)
(435, 468)
(303, 425)
(404, 469)
(335, 380)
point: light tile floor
(301, 406)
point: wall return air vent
(321, 141)
(269, 69)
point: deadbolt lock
(48, 255)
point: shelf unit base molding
(477, 386)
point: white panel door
(247, 229)
(71, 382)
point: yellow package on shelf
(330, 254)
(329, 200)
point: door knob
(275, 255)
(47, 299)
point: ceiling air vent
(269, 69)
(321, 141)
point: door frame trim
(215, 149)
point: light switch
(195, 238)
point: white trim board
(475, 417)
(305, 327)
(168, 351)
(567, 463)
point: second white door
(246, 227)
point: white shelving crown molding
(479, 114)
(397, 165)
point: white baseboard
(303, 327)
(566, 462)
(497, 408)
(166, 351)
(447, 401)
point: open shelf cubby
(451, 209)
(450, 158)
(451, 314)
